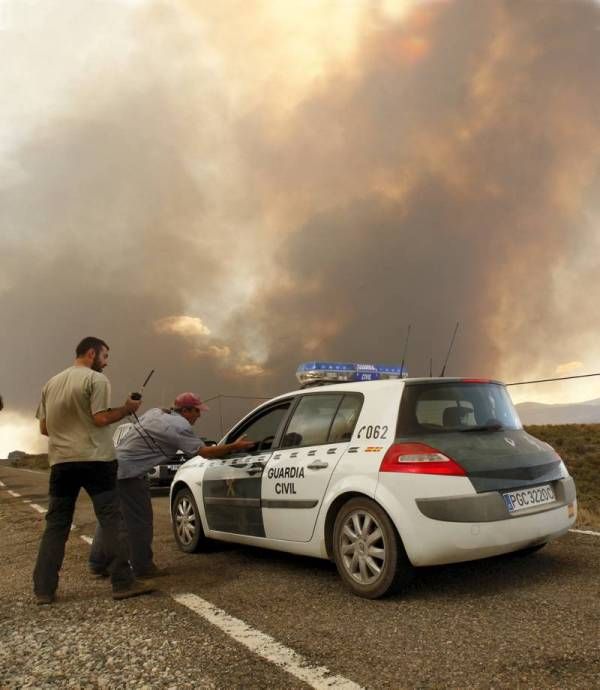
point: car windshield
(439, 407)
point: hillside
(575, 413)
(579, 447)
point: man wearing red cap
(158, 435)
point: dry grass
(579, 447)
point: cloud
(568, 368)
(188, 326)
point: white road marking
(585, 531)
(265, 646)
(2, 484)
(39, 509)
(26, 500)
(14, 493)
(86, 539)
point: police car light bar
(331, 372)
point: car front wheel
(187, 526)
(367, 550)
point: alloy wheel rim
(185, 521)
(362, 547)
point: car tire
(368, 552)
(187, 525)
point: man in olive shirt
(75, 414)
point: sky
(224, 190)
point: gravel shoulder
(499, 623)
(87, 640)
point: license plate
(173, 468)
(528, 498)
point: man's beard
(96, 366)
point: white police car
(379, 475)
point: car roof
(366, 386)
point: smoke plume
(185, 190)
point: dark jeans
(66, 480)
(136, 509)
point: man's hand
(132, 405)
(241, 443)
(114, 415)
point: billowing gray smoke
(448, 172)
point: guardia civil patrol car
(381, 474)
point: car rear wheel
(187, 526)
(367, 550)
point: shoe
(44, 599)
(152, 572)
(135, 589)
(99, 574)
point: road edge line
(585, 531)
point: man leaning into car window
(158, 435)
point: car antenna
(405, 349)
(146, 436)
(449, 349)
(138, 396)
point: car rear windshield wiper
(485, 427)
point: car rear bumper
(435, 542)
(489, 506)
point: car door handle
(317, 465)
(255, 470)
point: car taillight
(420, 459)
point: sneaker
(152, 572)
(135, 589)
(44, 599)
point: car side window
(311, 420)
(261, 428)
(345, 419)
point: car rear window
(455, 406)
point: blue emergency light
(313, 372)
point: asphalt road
(506, 622)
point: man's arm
(224, 450)
(116, 414)
(43, 428)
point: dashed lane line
(2, 484)
(264, 645)
(43, 511)
(86, 539)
